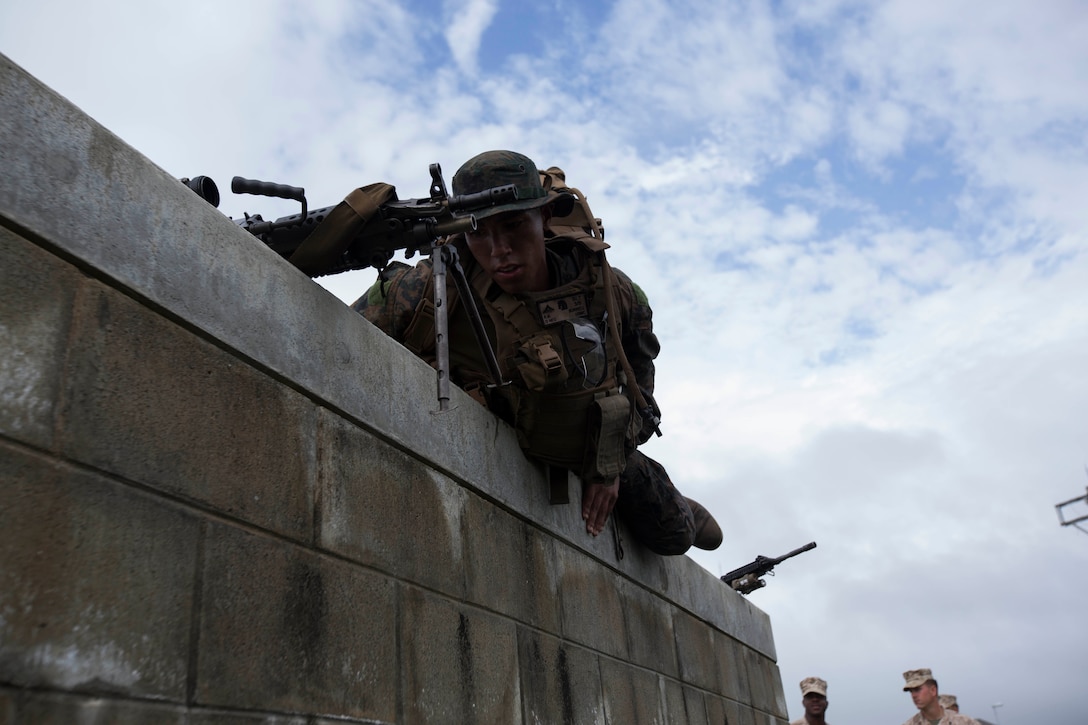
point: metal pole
(996, 705)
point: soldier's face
(510, 248)
(815, 704)
(923, 695)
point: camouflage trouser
(653, 509)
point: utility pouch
(606, 444)
(419, 335)
(551, 428)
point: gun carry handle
(240, 185)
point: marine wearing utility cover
(571, 402)
(576, 350)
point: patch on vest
(563, 308)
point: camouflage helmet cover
(499, 168)
(917, 678)
(813, 684)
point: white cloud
(879, 130)
(467, 22)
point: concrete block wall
(227, 498)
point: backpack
(572, 218)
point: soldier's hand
(598, 500)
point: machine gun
(366, 229)
(747, 579)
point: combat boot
(708, 535)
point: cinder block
(673, 707)
(744, 621)
(773, 675)
(96, 582)
(36, 292)
(694, 702)
(732, 670)
(764, 683)
(720, 710)
(46, 708)
(698, 656)
(759, 717)
(655, 572)
(743, 715)
(459, 665)
(282, 628)
(383, 508)
(510, 566)
(227, 717)
(590, 604)
(222, 717)
(560, 683)
(631, 694)
(651, 641)
(150, 401)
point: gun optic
(204, 187)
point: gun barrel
(763, 564)
(799, 550)
(456, 225)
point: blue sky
(861, 225)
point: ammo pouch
(590, 434)
(613, 419)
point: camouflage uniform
(920, 677)
(648, 503)
(948, 702)
(949, 718)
